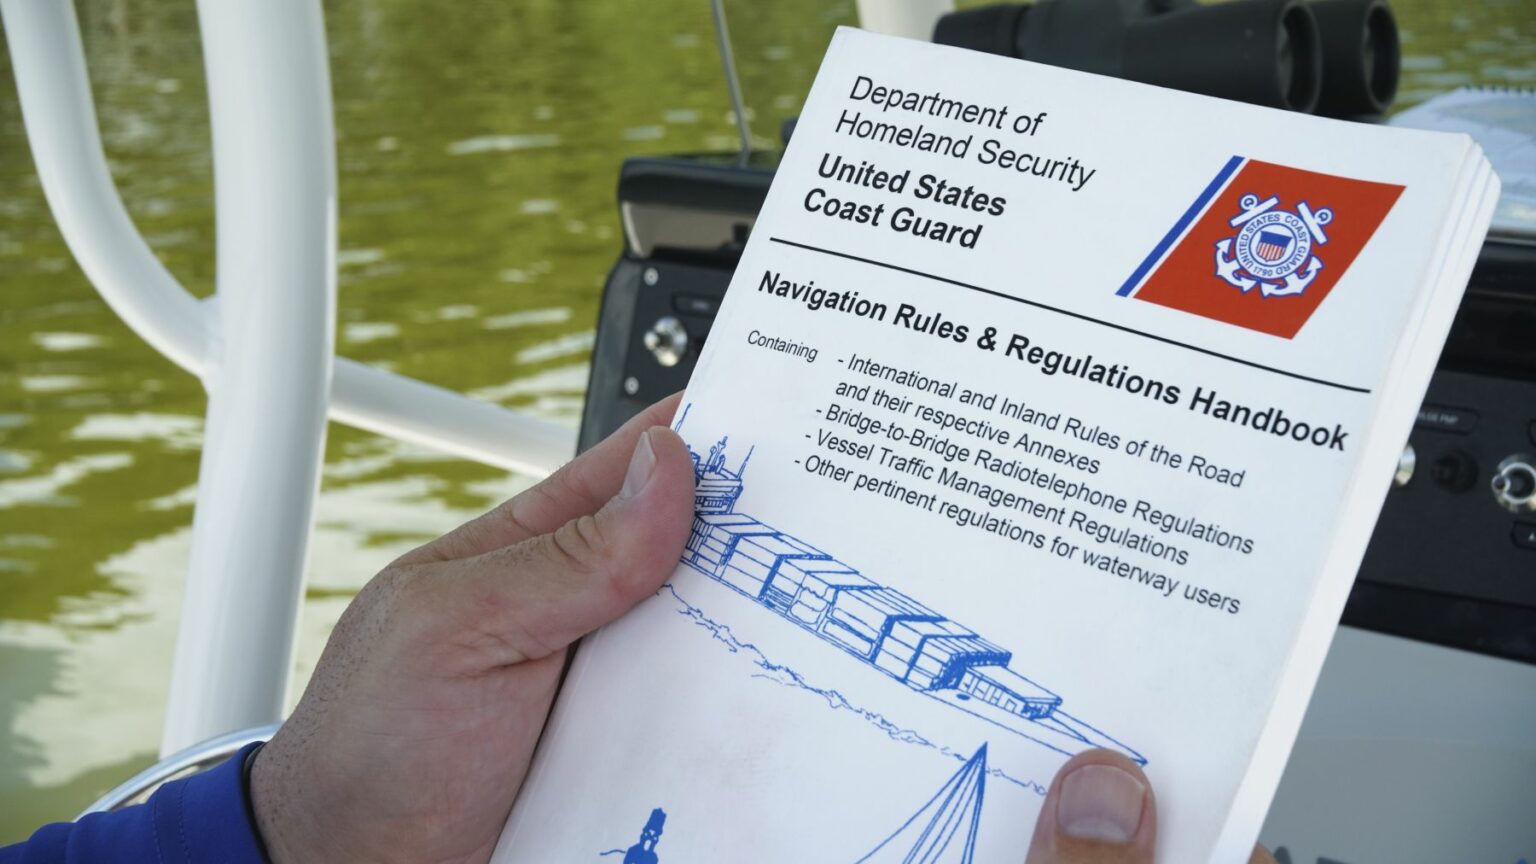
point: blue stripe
(1178, 227)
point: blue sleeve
(203, 819)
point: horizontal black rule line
(1078, 315)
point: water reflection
(477, 158)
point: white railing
(183, 763)
(263, 345)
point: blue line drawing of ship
(877, 624)
(929, 836)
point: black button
(694, 304)
(1524, 535)
(1443, 418)
(1455, 470)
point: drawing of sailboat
(942, 831)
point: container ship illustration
(876, 624)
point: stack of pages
(1045, 412)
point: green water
(479, 143)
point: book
(1044, 412)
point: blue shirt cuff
(198, 820)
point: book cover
(1045, 412)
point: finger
(1099, 810)
(578, 488)
(533, 598)
(1261, 856)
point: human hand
(1100, 810)
(417, 727)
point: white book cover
(1044, 412)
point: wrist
(278, 817)
(250, 807)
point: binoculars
(1338, 58)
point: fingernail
(1100, 802)
(640, 466)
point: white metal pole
(55, 96)
(913, 19)
(269, 371)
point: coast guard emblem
(1273, 249)
(1281, 236)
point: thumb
(536, 597)
(1099, 810)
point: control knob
(667, 340)
(1514, 484)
